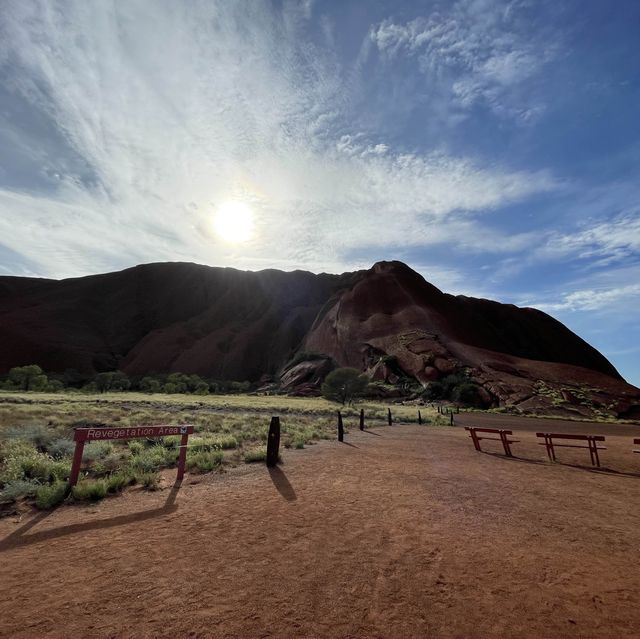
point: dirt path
(407, 532)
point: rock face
(231, 324)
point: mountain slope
(230, 324)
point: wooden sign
(82, 435)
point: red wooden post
(182, 456)
(389, 416)
(505, 443)
(80, 437)
(340, 428)
(419, 417)
(362, 419)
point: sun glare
(234, 222)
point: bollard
(419, 417)
(362, 419)
(273, 443)
(451, 420)
(457, 410)
(340, 428)
(389, 416)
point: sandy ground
(404, 532)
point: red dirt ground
(405, 532)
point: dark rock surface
(230, 324)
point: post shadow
(282, 484)
(18, 538)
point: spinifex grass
(36, 435)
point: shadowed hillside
(230, 324)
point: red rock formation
(231, 324)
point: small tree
(150, 385)
(27, 378)
(344, 385)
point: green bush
(37, 434)
(204, 462)
(18, 489)
(467, 394)
(90, 490)
(255, 455)
(50, 496)
(61, 447)
(135, 448)
(96, 450)
(117, 481)
(150, 481)
(344, 385)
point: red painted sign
(92, 434)
(83, 435)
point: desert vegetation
(36, 437)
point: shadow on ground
(20, 537)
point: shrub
(204, 462)
(54, 386)
(255, 455)
(135, 448)
(27, 378)
(61, 447)
(43, 468)
(17, 489)
(37, 434)
(150, 481)
(50, 496)
(466, 393)
(118, 481)
(90, 490)
(150, 385)
(97, 450)
(344, 385)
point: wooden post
(389, 416)
(340, 428)
(457, 410)
(182, 456)
(450, 419)
(273, 443)
(419, 417)
(77, 460)
(362, 419)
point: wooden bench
(592, 444)
(503, 436)
(637, 443)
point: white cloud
(175, 108)
(481, 44)
(594, 299)
(603, 243)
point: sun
(233, 221)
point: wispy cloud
(594, 299)
(169, 109)
(486, 48)
(603, 243)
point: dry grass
(229, 426)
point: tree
(150, 385)
(344, 385)
(27, 378)
(112, 381)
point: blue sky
(493, 146)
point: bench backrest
(597, 438)
(496, 431)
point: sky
(494, 146)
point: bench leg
(550, 452)
(505, 444)
(593, 449)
